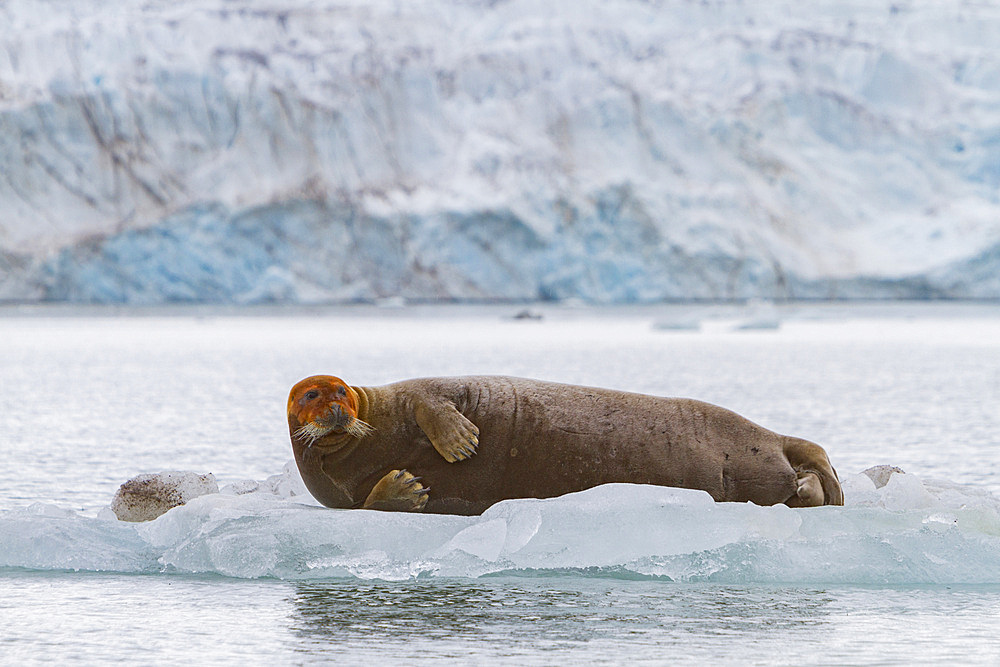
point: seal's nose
(337, 416)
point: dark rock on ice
(145, 497)
(880, 474)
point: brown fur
(536, 439)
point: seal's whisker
(309, 432)
(359, 428)
(313, 431)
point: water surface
(902, 575)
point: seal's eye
(311, 395)
(341, 391)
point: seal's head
(321, 406)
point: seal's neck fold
(362, 399)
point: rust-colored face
(321, 405)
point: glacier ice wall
(618, 151)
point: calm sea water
(89, 399)
(86, 618)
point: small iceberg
(760, 315)
(677, 324)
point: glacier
(246, 151)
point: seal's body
(474, 441)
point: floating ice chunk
(888, 487)
(909, 531)
(47, 537)
(286, 484)
(391, 302)
(954, 496)
(689, 323)
(483, 540)
(859, 489)
(521, 527)
(607, 526)
(259, 534)
(145, 497)
(45, 509)
(905, 492)
(761, 316)
(241, 488)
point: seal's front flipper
(452, 434)
(398, 491)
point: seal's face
(323, 405)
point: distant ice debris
(679, 323)
(391, 302)
(760, 316)
(527, 314)
(145, 497)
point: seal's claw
(451, 433)
(398, 491)
(458, 447)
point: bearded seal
(457, 445)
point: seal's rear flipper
(816, 480)
(809, 492)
